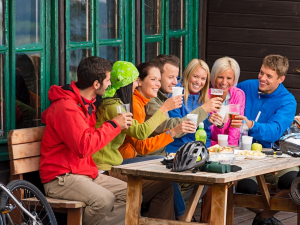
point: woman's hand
(172, 103)
(215, 119)
(184, 127)
(214, 104)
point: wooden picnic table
(223, 199)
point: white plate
(255, 157)
(240, 157)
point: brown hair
(144, 68)
(278, 63)
(161, 60)
(193, 65)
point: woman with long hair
(195, 81)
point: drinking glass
(123, 108)
(233, 111)
(216, 93)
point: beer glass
(216, 93)
(233, 111)
(123, 108)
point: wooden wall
(248, 30)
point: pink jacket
(237, 96)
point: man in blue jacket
(269, 112)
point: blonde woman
(225, 75)
(195, 81)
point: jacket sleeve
(151, 144)
(277, 124)
(172, 121)
(136, 130)
(142, 131)
(79, 136)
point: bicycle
(16, 209)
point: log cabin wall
(248, 30)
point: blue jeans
(179, 205)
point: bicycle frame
(35, 222)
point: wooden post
(230, 210)
(134, 198)
(74, 216)
(264, 190)
(194, 199)
(218, 204)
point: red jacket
(70, 136)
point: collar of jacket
(161, 96)
(141, 97)
(87, 105)
(277, 92)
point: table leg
(192, 204)
(218, 204)
(230, 210)
(133, 201)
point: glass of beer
(216, 93)
(123, 108)
(233, 111)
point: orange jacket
(132, 146)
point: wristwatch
(220, 126)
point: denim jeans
(179, 205)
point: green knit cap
(122, 74)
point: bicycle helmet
(190, 155)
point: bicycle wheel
(39, 208)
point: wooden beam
(264, 190)
(230, 209)
(24, 150)
(255, 201)
(219, 204)
(192, 204)
(134, 198)
(26, 165)
(151, 221)
(21, 136)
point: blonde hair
(193, 65)
(223, 64)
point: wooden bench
(24, 147)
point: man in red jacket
(67, 169)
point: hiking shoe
(263, 221)
(275, 221)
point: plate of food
(252, 154)
(218, 149)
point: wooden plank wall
(248, 30)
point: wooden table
(223, 199)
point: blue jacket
(192, 103)
(277, 112)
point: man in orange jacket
(67, 169)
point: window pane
(176, 47)
(177, 14)
(28, 90)
(2, 97)
(152, 17)
(80, 20)
(109, 25)
(152, 49)
(110, 53)
(75, 58)
(27, 18)
(2, 23)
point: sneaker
(275, 221)
(263, 221)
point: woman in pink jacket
(225, 75)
